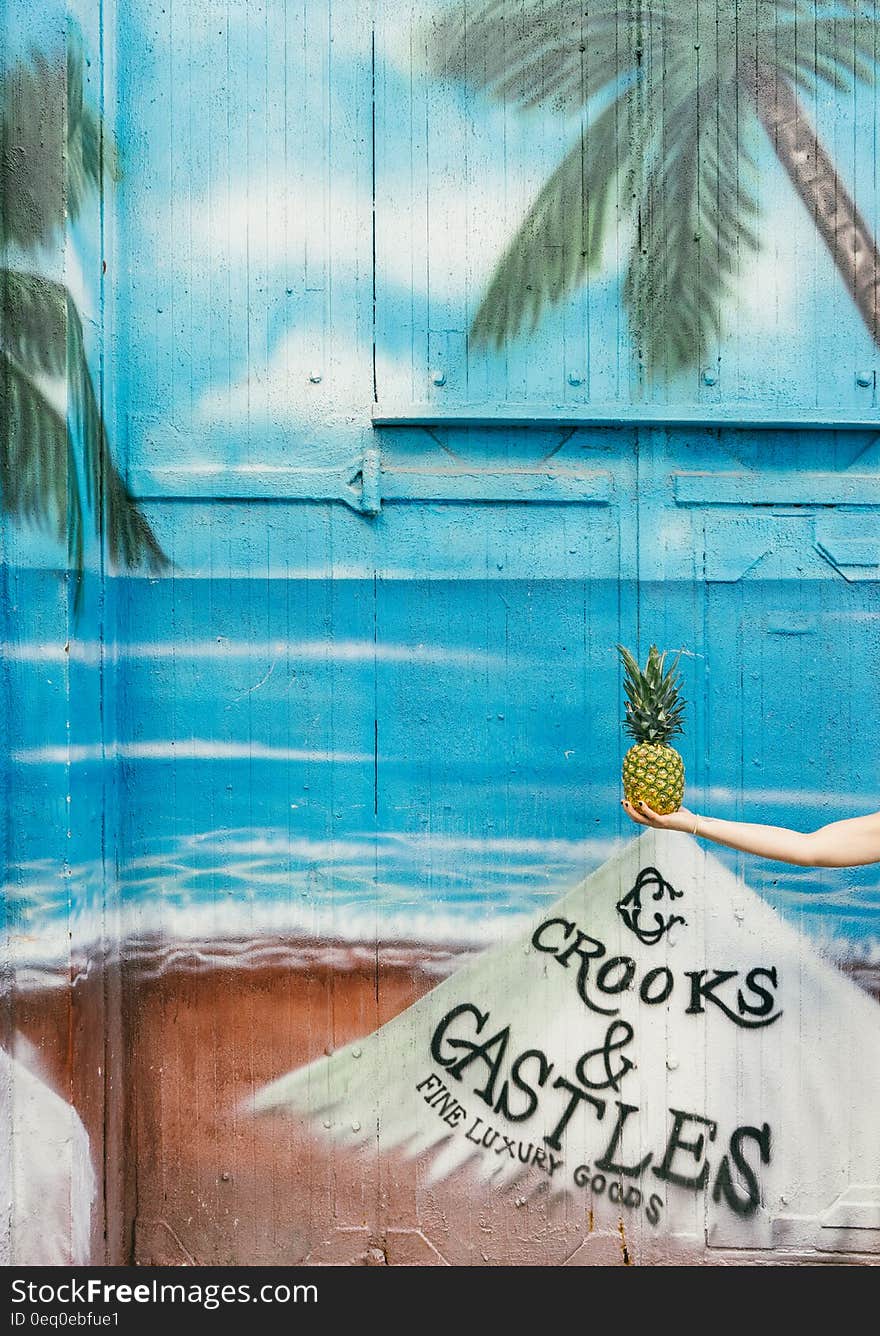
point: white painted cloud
(322, 225)
(185, 749)
(310, 378)
(271, 222)
(322, 651)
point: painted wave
(191, 896)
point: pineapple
(653, 772)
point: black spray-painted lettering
(704, 990)
(531, 1055)
(607, 1161)
(630, 908)
(463, 1009)
(695, 1148)
(751, 1006)
(576, 1096)
(488, 1138)
(624, 967)
(647, 992)
(459, 1042)
(441, 1100)
(747, 1202)
(618, 1035)
(490, 1052)
(765, 1006)
(587, 949)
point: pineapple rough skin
(654, 773)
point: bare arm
(849, 843)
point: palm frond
(41, 334)
(131, 542)
(33, 321)
(33, 97)
(697, 217)
(562, 236)
(36, 453)
(846, 40)
(837, 52)
(556, 52)
(91, 152)
(54, 150)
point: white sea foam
(232, 885)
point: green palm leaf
(53, 155)
(33, 321)
(91, 153)
(562, 237)
(698, 221)
(828, 52)
(32, 149)
(36, 453)
(54, 152)
(684, 171)
(130, 539)
(41, 334)
(562, 54)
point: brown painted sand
(206, 1183)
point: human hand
(644, 815)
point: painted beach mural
(370, 373)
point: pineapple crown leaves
(654, 705)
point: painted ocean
(415, 762)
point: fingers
(641, 813)
(654, 818)
(633, 813)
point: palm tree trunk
(815, 178)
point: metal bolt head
(864, 378)
(438, 377)
(710, 376)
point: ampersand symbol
(611, 1045)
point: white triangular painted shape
(789, 1053)
(47, 1182)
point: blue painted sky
(245, 239)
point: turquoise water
(407, 759)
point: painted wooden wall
(62, 1160)
(364, 733)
